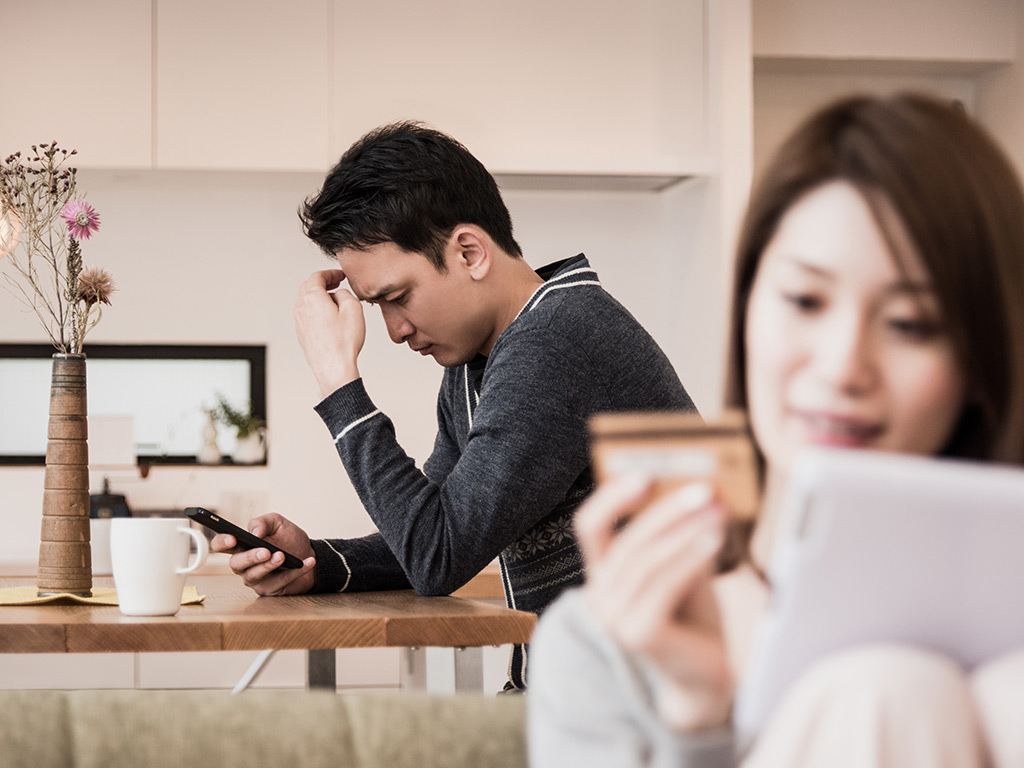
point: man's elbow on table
(439, 582)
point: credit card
(675, 448)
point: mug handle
(202, 549)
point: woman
(877, 306)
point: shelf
(518, 176)
(818, 65)
(587, 182)
(639, 175)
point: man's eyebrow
(379, 294)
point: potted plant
(250, 431)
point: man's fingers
(223, 542)
(269, 578)
(242, 561)
(329, 279)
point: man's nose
(399, 328)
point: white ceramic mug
(150, 560)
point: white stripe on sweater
(355, 423)
(581, 270)
(558, 287)
(540, 288)
(506, 584)
(343, 562)
(553, 282)
(469, 411)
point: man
(418, 227)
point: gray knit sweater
(510, 462)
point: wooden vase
(65, 560)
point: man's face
(438, 314)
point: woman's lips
(841, 431)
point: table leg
(250, 675)
(413, 673)
(443, 670)
(469, 669)
(321, 668)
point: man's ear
(474, 249)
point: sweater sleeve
(376, 568)
(375, 565)
(526, 447)
(590, 705)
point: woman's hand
(649, 585)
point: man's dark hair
(409, 185)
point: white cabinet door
(242, 84)
(530, 86)
(80, 74)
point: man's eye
(400, 299)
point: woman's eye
(804, 302)
(913, 328)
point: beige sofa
(284, 729)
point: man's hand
(261, 571)
(331, 329)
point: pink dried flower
(95, 285)
(81, 218)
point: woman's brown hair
(958, 198)
(961, 203)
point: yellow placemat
(26, 595)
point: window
(165, 387)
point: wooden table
(233, 618)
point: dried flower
(95, 285)
(81, 218)
(41, 226)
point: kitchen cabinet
(573, 94)
(80, 74)
(241, 84)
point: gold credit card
(675, 448)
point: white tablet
(878, 547)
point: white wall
(809, 52)
(1001, 100)
(782, 99)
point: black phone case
(242, 536)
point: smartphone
(676, 448)
(245, 539)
